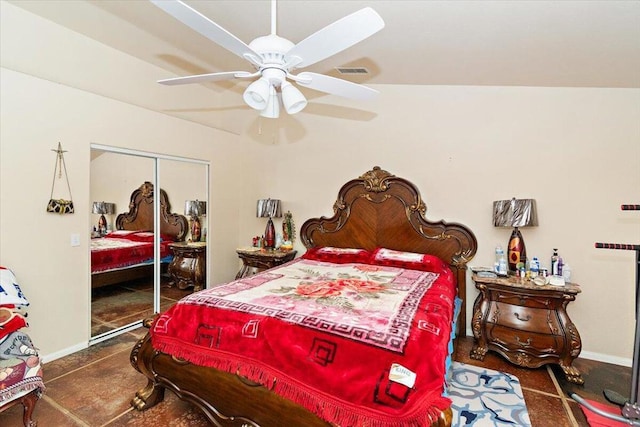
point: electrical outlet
(75, 240)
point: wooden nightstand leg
(574, 345)
(244, 272)
(480, 348)
(572, 374)
(478, 352)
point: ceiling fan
(274, 58)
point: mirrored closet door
(143, 254)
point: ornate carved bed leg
(148, 397)
(141, 359)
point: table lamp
(194, 209)
(269, 208)
(515, 213)
(102, 209)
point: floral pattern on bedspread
(365, 303)
(325, 336)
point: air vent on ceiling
(352, 70)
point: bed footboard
(225, 399)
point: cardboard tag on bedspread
(402, 375)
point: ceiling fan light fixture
(257, 94)
(274, 57)
(293, 100)
(272, 109)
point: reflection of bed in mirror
(127, 253)
(314, 342)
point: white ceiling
(498, 43)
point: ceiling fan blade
(211, 77)
(335, 38)
(203, 25)
(334, 86)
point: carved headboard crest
(376, 179)
(146, 192)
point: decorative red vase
(516, 251)
(270, 235)
(195, 230)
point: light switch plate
(75, 240)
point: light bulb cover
(257, 94)
(293, 100)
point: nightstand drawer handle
(522, 319)
(523, 344)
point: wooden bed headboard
(379, 209)
(140, 215)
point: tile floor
(93, 387)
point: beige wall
(35, 115)
(574, 150)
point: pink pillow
(337, 255)
(121, 234)
(141, 236)
(409, 260)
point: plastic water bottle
(535, 266)
(500, 265)
(566, 273)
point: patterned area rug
(483, 398)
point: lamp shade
(268, 208)
(515, 213)
(257, 94)
(293, 100)
(195, 208)
(103, 208)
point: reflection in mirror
(144, 257)
(122, 269)
(186, 185)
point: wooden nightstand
(526, 323)
(189, 265)
(255, 261)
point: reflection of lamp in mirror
(269, 208)
(102, 209)
(515, 213)
(194, 209)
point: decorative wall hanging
(61, 206)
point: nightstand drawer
(524, 300)
(531, 342)
(524, 318)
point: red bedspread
(120, 249)
(345, 341)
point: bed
(375, 213)
(128, 252)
